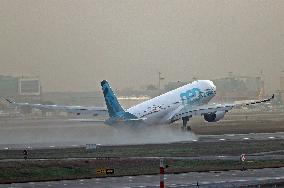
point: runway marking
(194, 140)
(222, 139)
(172, 185)
(222, 181)
(205, 182)
(271, 137)
(230, 134)
(242, 180)
(246, 138)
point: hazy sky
(73, 45)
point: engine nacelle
(213, 117)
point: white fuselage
(160, 109)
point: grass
(154, 150)
(57, 167)
(24, 171)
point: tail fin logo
(113, 106)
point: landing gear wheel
(184, 123)
(183, 129)
(188, 128)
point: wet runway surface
(240, 137)
(65, 133)
(49, 133)
(232, 178)
(198, 138)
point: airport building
(94, 98)
(234, 88)
(29, 89)
(21, 89)
(29, 86)
(8, 86)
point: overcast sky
(73, 45)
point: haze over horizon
(73, 45)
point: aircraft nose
(213, 86)
(214, 89)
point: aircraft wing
(186, 111)
(71, 109)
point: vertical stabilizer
(113, 106)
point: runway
(58, 133)
(198, 138)
(218, 179)
(241, 137)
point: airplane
(78, 110)
(180, 104)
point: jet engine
(213, 117)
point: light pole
(162, 172)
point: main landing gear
(184, 124)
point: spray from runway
(65, 133)
(142, 135)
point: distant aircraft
(182, 103)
